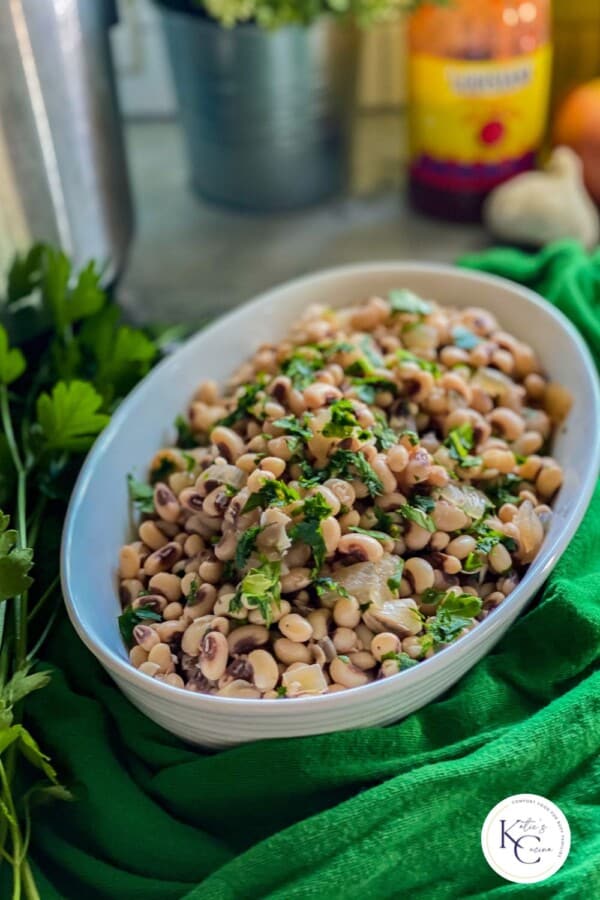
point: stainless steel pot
(265, 113)
(63, 175)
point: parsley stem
(47, 593)
(11, 817)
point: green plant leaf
(22, 683)
(15, 563)
(12, 361)
(141, 494)
(68, 418)
(24, 274)
(131, 617)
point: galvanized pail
(265, 113)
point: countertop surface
(191, 259)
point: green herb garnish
(417, 512)
(394, 582)
(502, 491)
(162, 471)
(300, 368)
(464, 338)
(454, 613)
(185, 435)
(132, 617)
(459, 442)
(343, 461)
(260, 588)
(343, 422)
(327, 585)
(403, 659)
(405, 301)
(141, 494)
(246, 400)
(378, 535)
(246, 545)
(308, 530)
(425, 364)
(272, 493)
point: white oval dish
(98, 519)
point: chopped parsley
(487, 538)
(459, 442)
(386, 522)
(185, 435)
(394, 581)
(246, 400)
(342, 461)
(260, 588)
(385, 437)
(368, 386)
(343, 422)
(405, 301)
(190, 598)
(272, 493)
(411, 436)
(403, 659)
(132, 617)
(281, 690)
(296, 429)
(425, 364)
(417, 511)
(141, 494)
(502, 491)
(454, 613)
(300, 368)
(308, 530)
(162, 471)
(327, 585)
(246, 545)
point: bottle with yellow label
(479, 79)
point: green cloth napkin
(373, 813)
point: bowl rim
(122, 669)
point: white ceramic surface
(98, 520)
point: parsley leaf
(394, 582)
(68, 418)
(12, 361)
(417, 513)
(300, 368)
(260, 588)
(281, 690)
(67, 305)
(121, 355)
(185, 435)
(502, 491)
(343, 421)
(141, 494)
(297, 430)
(403, 659)
(132, 617)
(162, 471)
(425, 364)
(191, 596)
(245, 545)
(272, 493)
(368, 386)
(15, 563)
(314, 510)
(24, 274)
(454, 613)
(385, 437)
(342, 461)
(245, 401)
(459, 441)
(405, 301)
(327, 585)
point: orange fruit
(577, 124)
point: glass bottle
(479, 78)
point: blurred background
(237, 154)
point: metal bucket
(63, 176)
(265, 114)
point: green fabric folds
(376, 813)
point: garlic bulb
(535, 208)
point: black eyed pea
(289, 652)
(439, 540)
(335, 688)
(349, 520)
(384, 643)
(229, 444)
(214, 652)
(191, 498)
(507, 422)
(151, 535)
(327, 649)
(278, 611)
(173, 679)
(364, 635)
(247, 462)
(361, 547)
(203, 602)
(320, 394)
(247, 638)
(507, 512)
(265, 673)
(129, 561)
(548, 481)
(342, 490)
(172, 611)
(155, 602)
(385, 474)
(273, 464)
(416, 538)
(137, 655)
(330, 498)
(164, 559)
(494, 599)
(225, 549)
(391, 501)
(451, 564)
(162, 656)
(193, 545)
(461, 546)
(319, 654)
(239, 667)
(362, 659)
(296, 628)
(166, 503)
(499, 559)
(257, 480)
(343, 672)
(413, 647)
(346, 612)
(319, 620)
(194, 635)
(167, 630)
(279, 447)
(149, 668)
(397, 458)
(240, 688)
(344, 640)
(178, 481)
(145, 637)
(166, 584)
(270, 695)
(295, 580)
(129, 590)
(216, 502)
(420, 573)
(211, 571)
(448, 517)
(388, 668)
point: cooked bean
(137, 656)
(385, 643)
(149, 668)
(211, 571)
(129, 561)
(213, 655)
(420, 572)
(548, 481)
(166, 584)
(362, 659)
(145, 637)
(241, 689)
(295, 580)
(346, 612)
(288, 651)
(129, 590)
(166, 503)
(151, 535)
(499, 559)
(247, 638)
(448, 517)
(265, 673)
(164, 559)
(319, 620)
(342, 490)
(296, 628)
(344, 639)
(343, 672)
(461, 546)
(360, 547)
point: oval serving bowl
(99, 516)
